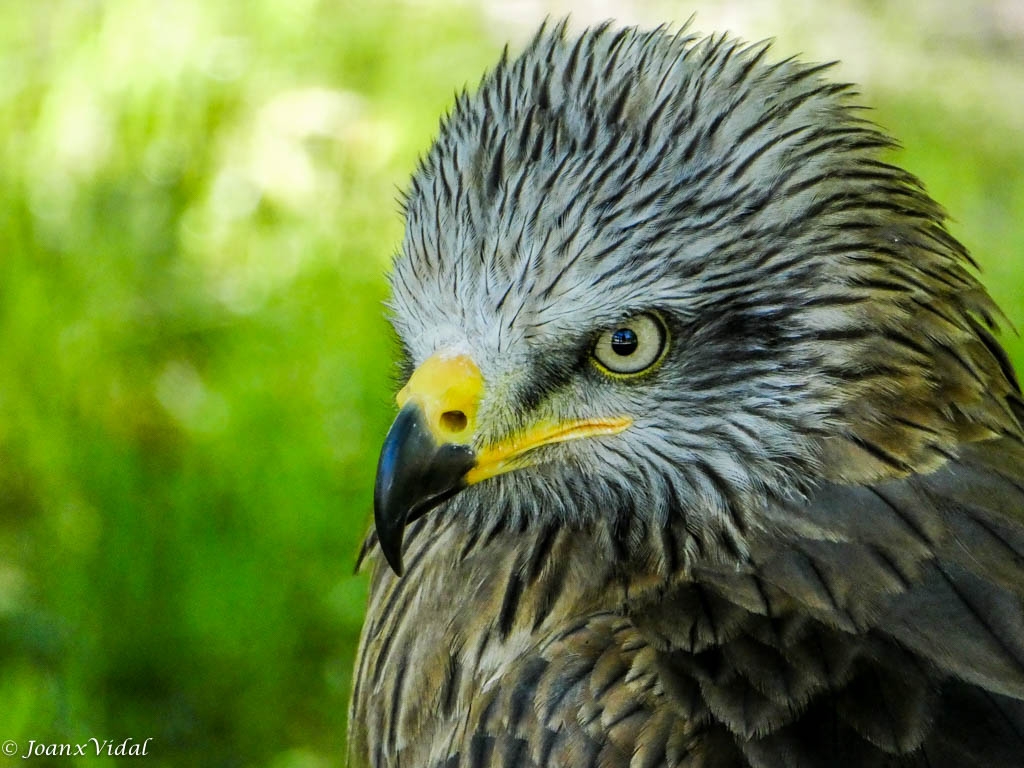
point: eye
(632, 346)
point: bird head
(647, 278)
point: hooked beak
(414, 475)
(429, 454)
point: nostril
(454, 421)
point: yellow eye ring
(631, 348)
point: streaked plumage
(802, 542)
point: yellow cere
(448, 388)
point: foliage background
(197, 208)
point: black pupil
(624, 341)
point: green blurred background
(197, 209)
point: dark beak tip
(391, 548)
(390, 526)
(396, 566)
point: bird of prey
(706, 453)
